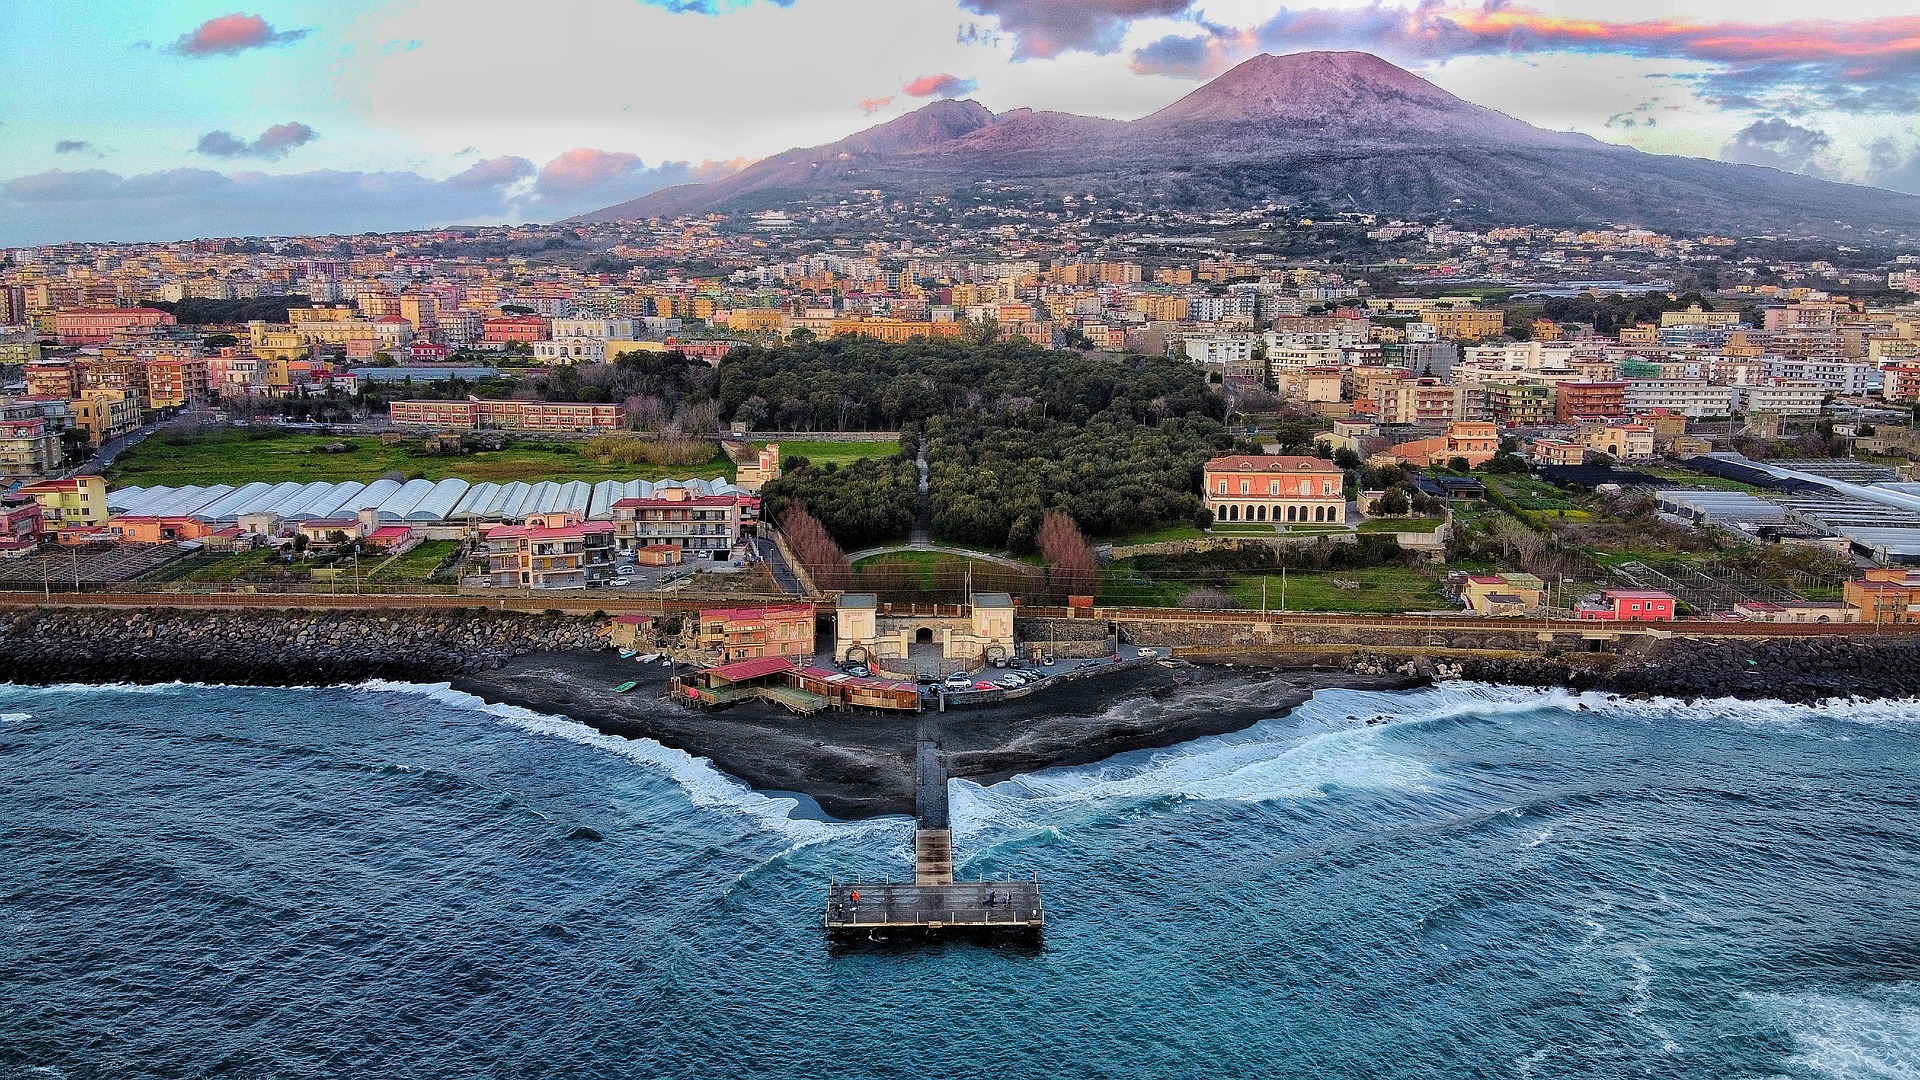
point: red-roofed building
(96, 326)
(551, 551)
(748, 633)
(696, 524)
(1275, 488)
(1626, 605)
(20, 526)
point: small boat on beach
(648, 658)
(628, 654)
(626, 686)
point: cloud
(1043, 29)
(584, 179)
(497, 172)
(1890, 166)
(874, 104)
(1862, 65)
(72, 146)
(708, 7)
(97, 205)
(272, 145)
(231, 35)
(1778, 144)
(941, 85)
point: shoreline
(855, 764)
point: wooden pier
(933, 902)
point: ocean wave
(704, 785)
(1226, 768)
(1851, 1037)
(15, 717)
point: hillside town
(1768, 388)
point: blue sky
(137, 119)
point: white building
(1785, 398)
(1683, 396)
(1835, 376)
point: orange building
(1474, 440)
(475, 413)
(1261, 487)
(1590, 400)
(754, 632)
(157, 530)
(895, 330)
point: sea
(1463, 881)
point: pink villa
(96, 326)
(1270, 488)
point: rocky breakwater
(275, 648)
(1802, 670)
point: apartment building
(1520, 404)
(29, 446)
(1589, 400)
(1429, 402)
(1475, 441)
(1621, 441)
(75, 502)
(1466, 324)
(1275, 488)
(1787, 399)
(696, 524)
(1833, 376)
(106, 414)
(753, 632)
(174, 380)
(1687, 397)
(511, 328)
(551, 551)
(475, 414)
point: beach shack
(801, 688)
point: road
(103, 458)
(783, 574)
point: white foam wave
(1849, 1037)
(15, 717)
(1285, 764)
(703, 785)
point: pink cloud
(230, 35)
(1864, 65)
(941, 85)
(584, 167)
(874, 104)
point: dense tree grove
(1607, 314)
(200, 311)
(862, 504)
(1012, 432)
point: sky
(170, 119)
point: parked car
(1047, 660)
(1088, 663)
(621, 582)
(1011, 682)
(1149, 652)
(860, 671)
(960, 680)
(926, 676)
(998, 661)
(1016, 663)
(984, 685)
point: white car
(621, 582)
(1011, 682)
(960, 680)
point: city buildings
(550, 551)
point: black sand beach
(859, 764)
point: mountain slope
(1341, 128)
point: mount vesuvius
(1345, 130)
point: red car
(984, 686)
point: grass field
(1382, 589)
(241, 457)
(1155, 536)
(838, 453)
(415, 567)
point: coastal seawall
(1802, 670)
(275, 648)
